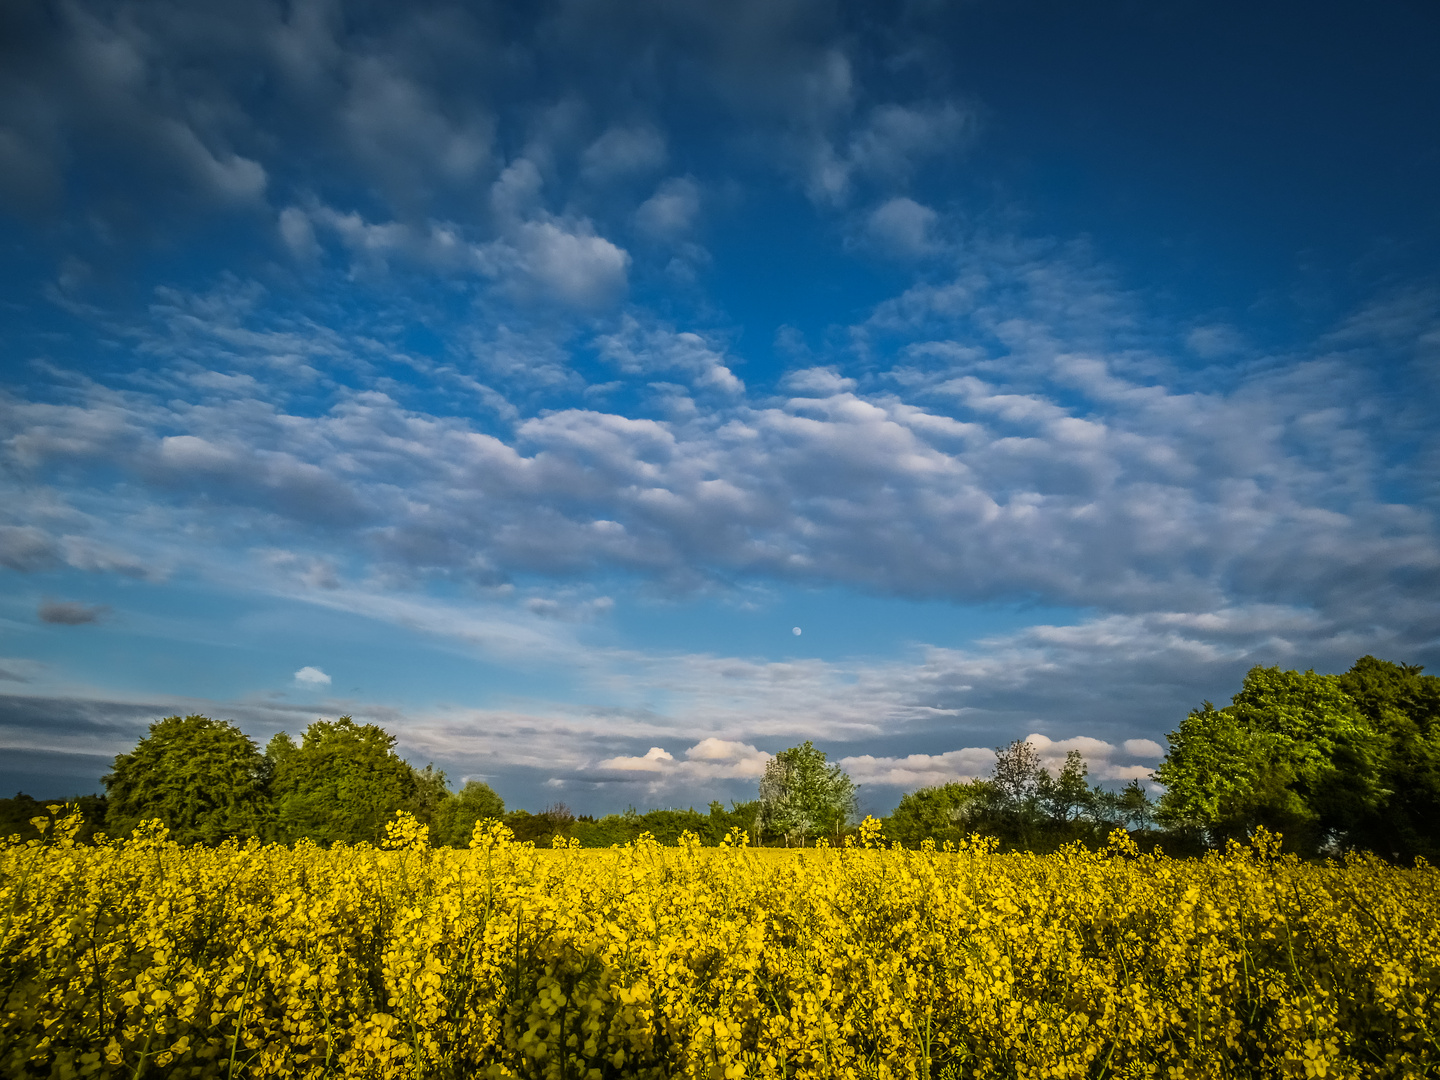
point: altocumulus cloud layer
(449, 324)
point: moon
(795, 630)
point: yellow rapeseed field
(144, 958)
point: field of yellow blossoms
(144, 958)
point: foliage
(302, 963)
(455, 817)
(741, 818)
(1021, 806)
(341, 784)
(1297, 753)
(203, 778)
(666, 826)
(18, 814)
(430, 796)
(1404, 706)
(951, 812)
(555, 820)
(802, 795)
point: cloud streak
(70, 612)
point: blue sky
(520, 377)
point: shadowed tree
(203, 778)
(1066, 798)
(432, 797)
(1016, 779)
(1292, 752)
(1404, 706)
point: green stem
(139, 1069)
(239, 1020)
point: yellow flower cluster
(144, 958)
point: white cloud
(312, 676)
(920, 770)
(570, 262)
(886, 147)
(87, 553)
(654, 761)
(975, 763)
(818, 382)
(715, 758)
(1127, 493)
(646, 349)
(403, 136)
(19, 669)
(541, 257)
(1214, 340)
(1098, 755)
(709, 762)
(227, 175)
(26, 548)
(896, 137)
(1129, 772)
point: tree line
(341, 783)
(1023, 807)
(1331, 762)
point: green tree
(1404, 707)
(948, 812)
(803, 795)
(741, 815)
(610, 829)
(1132, 807)
(432, 796)
(203, 778)
(341, 784)
(455, 818)
(555, 819)
(16, 814)
(1292, 753)
(1066, 798)
(1022, 805)
(666, 825)
(1017, 778)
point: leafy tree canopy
(456, 816)
(341, 784)
(1022, 805)
(803, 795)
(1327, 760)
(203, 778)
(1404, 706)
(948, 812)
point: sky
(604, 397)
